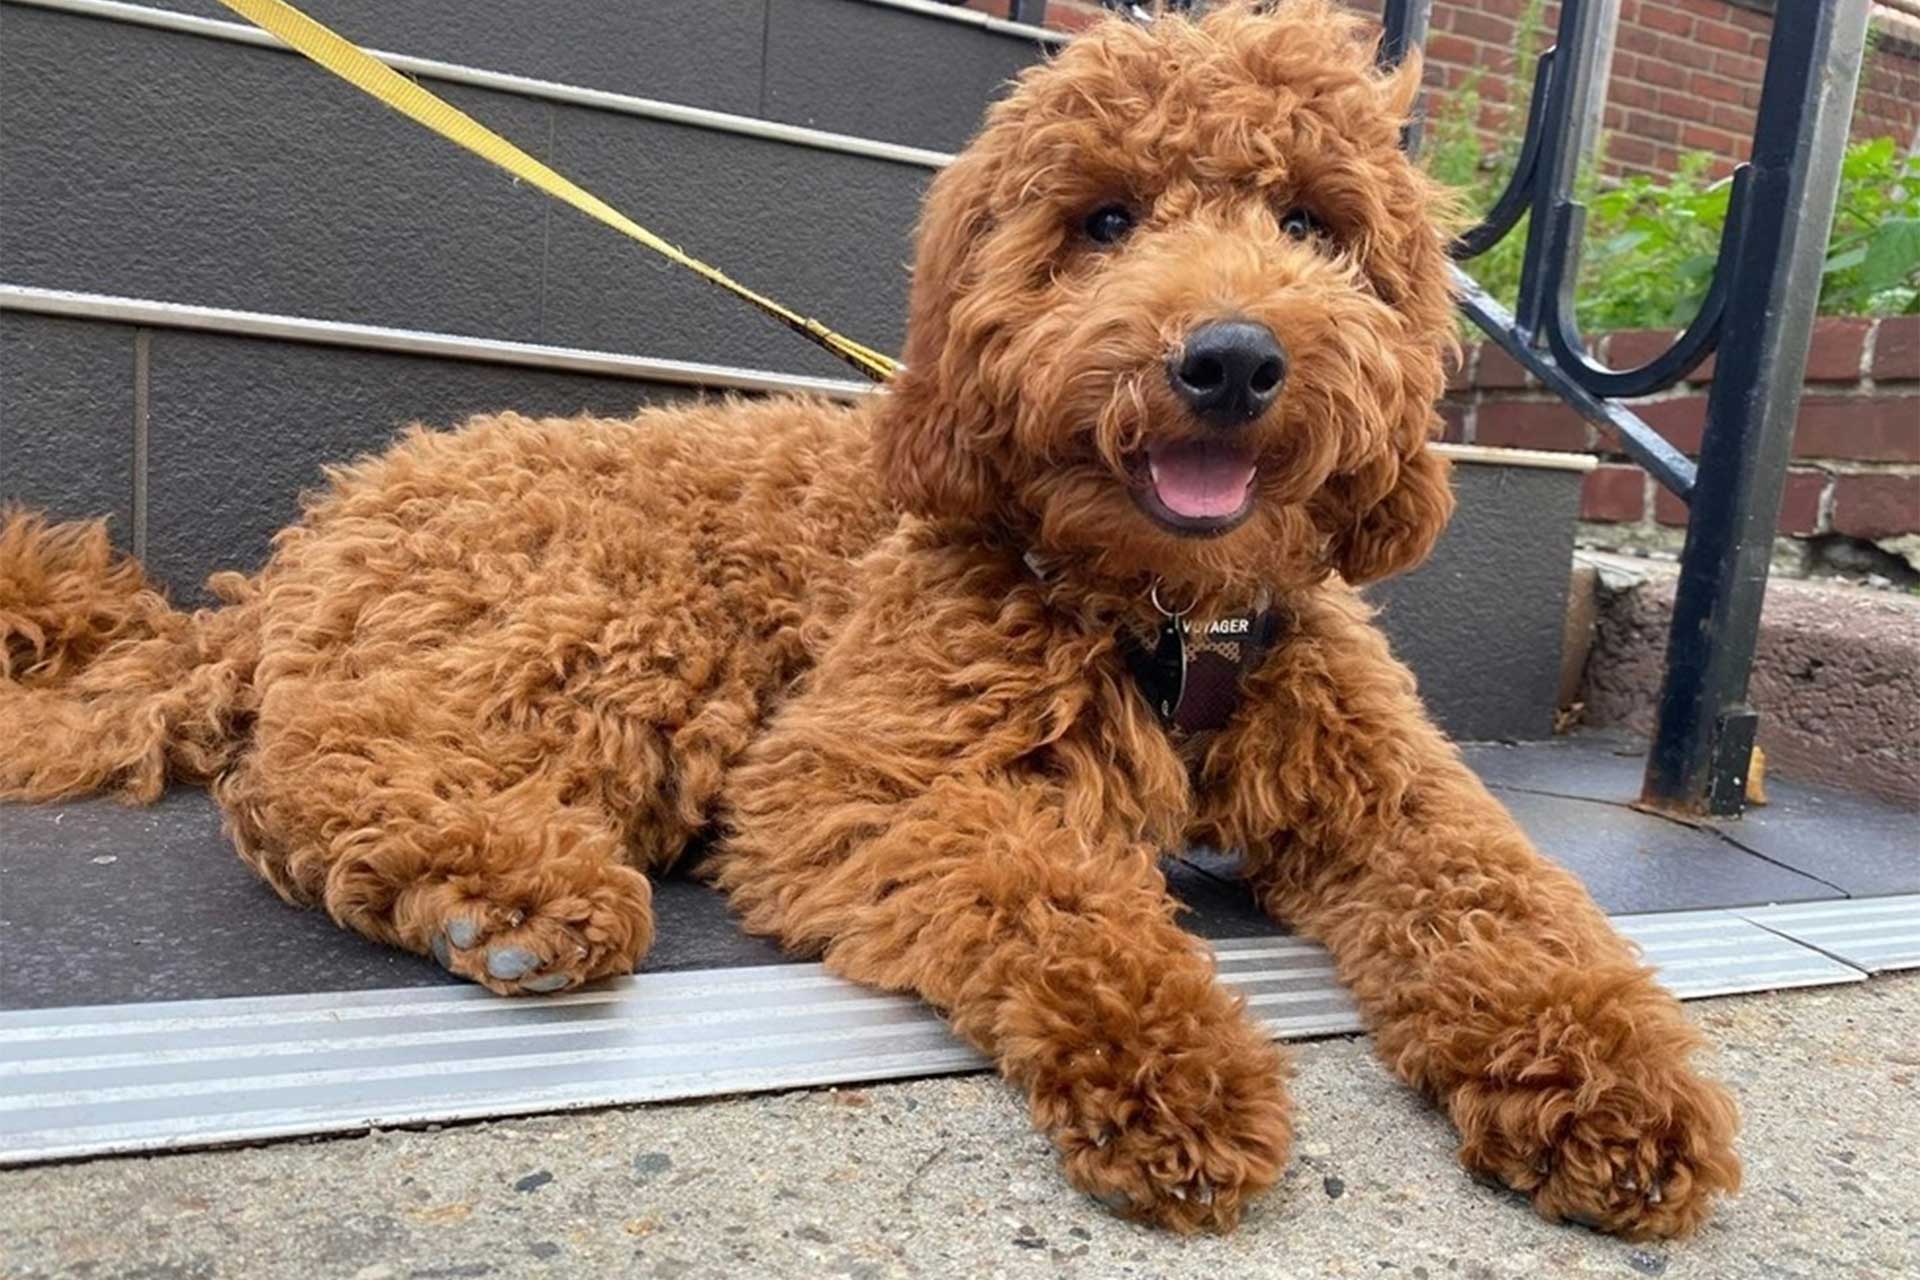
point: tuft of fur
(493, 677)
(111, 689)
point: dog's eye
(1301, 224)
(1108, 224)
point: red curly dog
(1179, 321)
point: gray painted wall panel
(162, 165)
(166, 166)
(842, 65)
(703, 53)
(825, 233)
(66, 419)
(240, 427)
(885, 73)
(1480, 623)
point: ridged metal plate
(1716, 953)
(1875, 934)
(104, 1079)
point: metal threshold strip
(1875, 934)
(114, 1079)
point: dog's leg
(959, 804)
(1054, 953)
(427, 845)
(1489, 976)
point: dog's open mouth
(1196, 487)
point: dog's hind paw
(538, 932)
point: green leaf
(1846, 261)
(1893, 255)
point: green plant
(1873, 259)
(1650, 244)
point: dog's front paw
(1641, 1148)
(538, 931)
(1182, 1139)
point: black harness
(1194, 682)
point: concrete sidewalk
(943, 1178)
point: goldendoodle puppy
(945, 671)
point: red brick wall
(1856, 449)
(1686, 73)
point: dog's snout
(1228, 372)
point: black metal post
(1704, 737)
(1563, 125)
(1403, 26)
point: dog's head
(1182, 308)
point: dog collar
(1192, 682)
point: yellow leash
(360, 69)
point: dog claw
(1653, 1194)
(462, 933)
(1204, 1192)
(508, 963)
(544, 983)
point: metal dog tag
(1161, 672)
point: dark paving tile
(1634, 862)
(1861, 846)
(1867, 848)
(1588, 766)
(172, 914)
(1629, 861)
(66, 419)
(1217, 904)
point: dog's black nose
(1229, 372)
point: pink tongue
(1200, 479)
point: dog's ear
(1400, 88)
(1384, 518)
(929, 436)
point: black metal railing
(1757, 314)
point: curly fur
(495, 677)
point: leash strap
(365, 72)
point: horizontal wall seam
(534, 355)
(417, 342)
